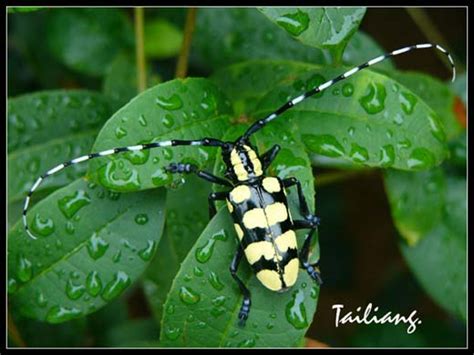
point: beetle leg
(191, 168)
(310, 222)
(213, 197)
(245, 307)
(269, 156)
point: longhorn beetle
(257, 203)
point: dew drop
(147, 253)
(294, 23)
(168, 121)
(248, 343)
(347, 89)
(120, 132)
(323, 144)
(70, 205)
(41, 300)
(188, 296)
(215, 281)
(296, 312)
(142, 121)
(93, 284)
(351, 131)
(313, 82)
(270, 326)
(118, 255)
(115, 287)
(170, 309)
(25, 269)
(112, 176)
(314, 292)
(59, 314)
(172, 333)
(387, 155)
(198, 271)
(208, 103)
(436, 129)
(12, 285)
(174, 102)
(138, 157)
(96, 246)
(398, 119)
(42, 226)
(161, 177)
(420, 158)
(408, 102)
(218, 301)
(374, 101)
(359, 154)
(141, 218)
(73, 291)
(33, 165)
(204, 253)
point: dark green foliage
(121, 228)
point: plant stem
(182, 66)
(338, 176)
(13, 332)
(140, 49)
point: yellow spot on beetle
(271, 184)
(240, 172)
(255, 218)
(240, 194)
(229, 206)
(270, 279)
(291, 272)
(276, 213)
(240, 232)
(255, 251)
(285, 241)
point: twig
(182, 66)
(428, 28)
(14, 333)
(140, 49)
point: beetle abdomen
(264, 228)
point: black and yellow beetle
(257, 203)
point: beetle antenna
(263, 122)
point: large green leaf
(179, 109)
(183, 227)
(439, 259)
(204, 301)
(25, 165)
(434, 93)
(369, 119)
(323, 27)
(87, 40)
(42, 116)
(92, 244)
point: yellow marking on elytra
(255, 218)
(285, 241)
(271, 184)
(270, 279)
(291, 272)
(240, 194)
(257, 167)
(276, 213)
(240, 172)
(255, 251)
(229, 206)
(234, 157)
(240, 232)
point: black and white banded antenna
(209, 142)
(263, 122)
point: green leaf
(162, 39)
(435, 94)
(325, 27)
(87, 40)
(92, 244)
(226, 36)
(39, 117)
(179, 109)
(131, 332)
(368, 119)
(14, 9)
(202, 310)
(417, 201)
(438, 260)
(120, 81)
(183, 227)
(25, 165)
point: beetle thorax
(245, 163)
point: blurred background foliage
(395, 239)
